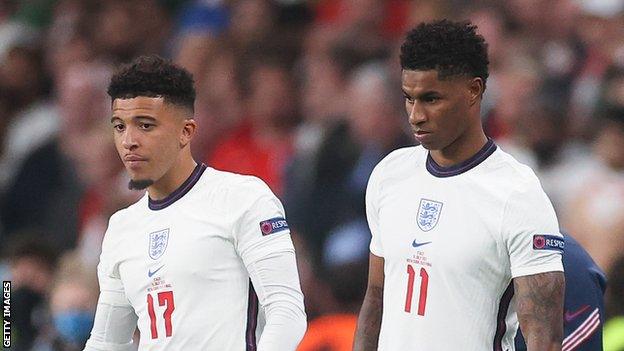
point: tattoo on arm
(369, 321)
(539, 302)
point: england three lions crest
(158, 243)
(428, 214)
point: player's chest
(439, 224)
(176, 250)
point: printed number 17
(165, 298)
(422, 298)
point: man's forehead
(420, 75)
(142, 103)
(426, 79)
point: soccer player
(194, 260)
(464, 241)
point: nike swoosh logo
(569, 317)
(150, 273)
(415, 244)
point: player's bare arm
(539, 300)
(369, 321)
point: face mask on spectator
(74, 326)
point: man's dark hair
(153, 76)
(451, 48)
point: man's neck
(173, 179)
(461, 149)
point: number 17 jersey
(452, 239)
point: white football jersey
(181, 262)
(452, 240)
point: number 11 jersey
(452, 239)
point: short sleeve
(260, 224)
(372, 213)
(531, 232)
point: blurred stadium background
(305, 95)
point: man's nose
(129, 140)
(417, 114)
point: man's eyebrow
(421, 95)
(145, 117)
(150, 118)
(427, 94)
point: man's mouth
(134, 158)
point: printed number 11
(422, 298)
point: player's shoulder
(235, 181)
(120, 221)
(128, 213)
(402, 154)
(399, 160)
(511, 173)
(229, 185)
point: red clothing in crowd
(395, 21)
(242, 152)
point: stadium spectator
(31, 120)
(262, 144)
(596, 217)
(51, 181)
(31, 271)
(70, 307)
(542, 141)
(324, 104)
(218, 100)
(199, 26)
(345, 257)
(331, 191)
(122, 30)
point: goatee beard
(140, 184)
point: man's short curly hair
(153, 76)
(451, 48)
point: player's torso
(446, 268)
(184, 279)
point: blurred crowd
(306, 95)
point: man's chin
(427, 146)
(139, 184)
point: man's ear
(476, 87)
(188, 131)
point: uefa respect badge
(548, 242)
(273, 225)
